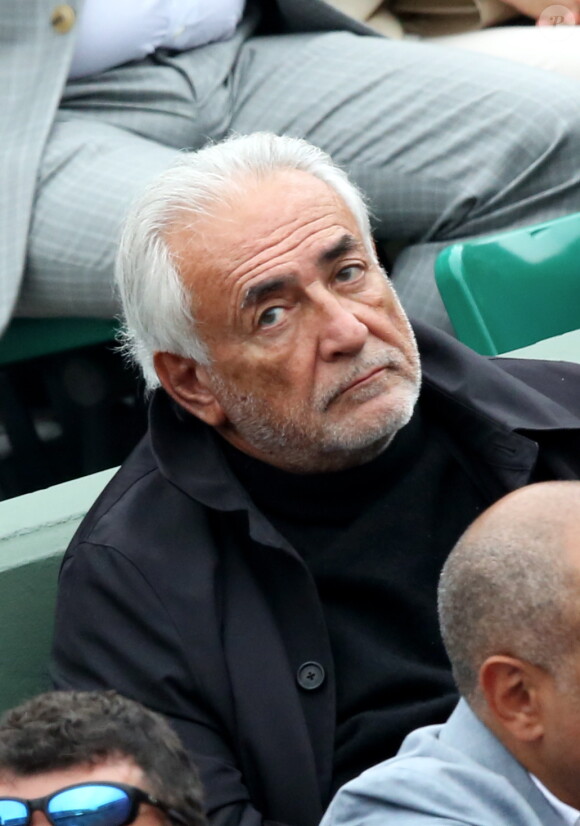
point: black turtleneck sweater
(375, 538)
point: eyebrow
(346, 243)
(254, 295)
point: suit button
(310, 676)
(62, 18)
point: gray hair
(507, 587)
(157, 308)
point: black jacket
(178, 592)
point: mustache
(388, 358)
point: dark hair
(61, 729)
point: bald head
(511, 585)
(525, 512)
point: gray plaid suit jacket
(34, 61)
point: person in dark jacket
(263, 568)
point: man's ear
(513, 693)
(187, 383)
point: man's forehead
(258, 208)
(277, 195)
(286, 214)
(115, 768)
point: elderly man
(263, 569)
(86, 758)
(509, 600)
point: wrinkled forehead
(268, 200)
(283, 219)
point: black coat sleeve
(113, 631)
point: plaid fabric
(446, 144)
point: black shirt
(375, 538)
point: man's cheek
(259, 381)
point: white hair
(157, 308)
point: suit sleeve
(112, 631)
(436, 786)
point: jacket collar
(489, 388)
(466, 733)
(188, 455)
(316, 16)
(491, 411)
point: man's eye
(271, 316)
(348, 274)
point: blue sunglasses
(84, 804)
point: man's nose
(39, 819)
(340, 331)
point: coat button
(310, 676)
(62, 18)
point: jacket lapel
(317, 15)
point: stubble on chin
(294, 442)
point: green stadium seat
(29, 338)
(35, 530)
(512, 289)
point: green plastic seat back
(27, 596)
(512, 289)
(28, 338)
(35, 530)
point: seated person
(87, 758)
(509, 603)
(101, 96)
(264, 567)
